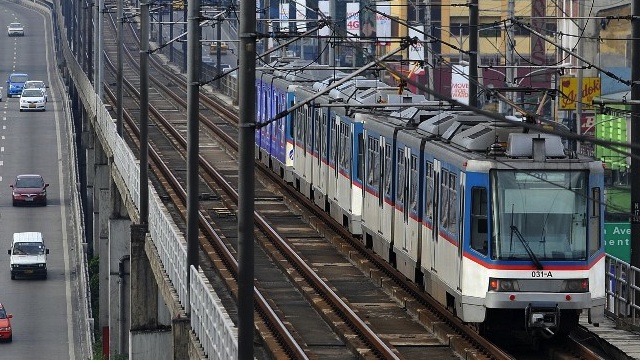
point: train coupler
(542, 318)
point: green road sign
(617, 237)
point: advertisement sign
(569, 92)
(301, 14)
(323, 8)
(617, 238)
(460, 83)
(353, 19)
(416, 52)
(284, 15)
(383, 23)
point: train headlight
(503, 285)
(575, 285)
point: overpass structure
(147, 308)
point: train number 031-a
(541, 274)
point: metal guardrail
(209, 320)
(622, 293)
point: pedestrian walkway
(618, 341)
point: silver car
(15, 29)
(32, 99)
(37, 84)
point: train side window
(594, 221)
(360, 168)
(479, 221)
(413, 184)
(444, 199)
(428, 194)
(323, 137)
(453, 203)
(400, 185)
(333, 143)
(318, 130)
(309, 124)
(300, 122)
(387, 169)
(373, 162)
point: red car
(29, 189)
(6, 333)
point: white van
(28, 255)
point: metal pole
(193, 126)
(171, 48)
(247, 103)
(473, 53)
(333, 17)
(509, 71)
(635, 139)
(428, 56)
(119, 75)
(580, 77)
(184, 43)
(144, 112)
(218, 52)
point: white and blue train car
(276, 85)
(509, 225)
(379, 193)
(517, 231)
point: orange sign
(569, 92)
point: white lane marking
(1, 148)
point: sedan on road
(37, 84)
(29, 189)
(6, 334)
(15, 29)
(33, 99)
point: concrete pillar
(147, 340)
(119, 237)
(181, 327)
(89, 144)
(101, 212)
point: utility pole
(509, 70)
(246, 191)
(332, 34)
(98, 58)
(144, 112)
(635, 138)
(580, 74)
(428, 56)
(119, 75)
(193, 132)
(474, 14)
(218, 52)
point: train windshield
(539, 215)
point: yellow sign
(569, 92)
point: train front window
(543, 212)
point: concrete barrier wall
(209, 320)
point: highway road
(45, 313)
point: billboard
(569, 92)
(617, 238)
(460, 83)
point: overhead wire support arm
(285, 44)
(405, 44)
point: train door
(461, 207)
(437, 167)
(401, 213)
(385, 214)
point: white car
(15, 29)
(32, 99)
(37, 84)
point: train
(499, 223)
